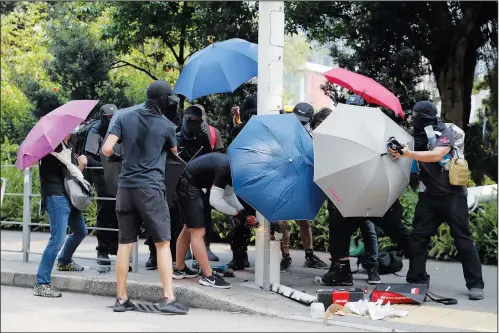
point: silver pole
(26, 214)
(270, 79)
(135, 257)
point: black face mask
(168, 108)
(104, 122)
(190, 128)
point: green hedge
(483, 222)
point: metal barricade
(26, 223)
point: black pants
(431, 211)
(341, 229)
(241, 235)
(107, 241)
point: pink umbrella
(371, 91)
(50, 130)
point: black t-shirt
(209, 170)
(52, 175)
(434, 177)
(236, 129)
(188, 148)
(145, 137)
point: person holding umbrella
(211, 171)
(304, 112)
(439, 201)
(145, 135)
(47, 143)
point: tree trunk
(455, 74)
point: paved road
(23, 312)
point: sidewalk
(244, 296)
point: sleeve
(445, 140)
(117, 127)
(171, 136)
(217, 200)
(222, 178)
(232, 199)
(219, 144)
(92, 143)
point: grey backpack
(79, 193)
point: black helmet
(320, 117)
(355, 100)
(106, 112)
(304, 112)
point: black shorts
(190, 202)
(134, 205)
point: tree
(391, 41)
(183, 27)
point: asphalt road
(23, 312)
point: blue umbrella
(272, 162)
(218, 68)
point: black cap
(194, 111)
(304, 112)
(161, 89)
(355, 100)
(108, 109)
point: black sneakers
(123, 306)
(184, 273)
(339, 274)
(103, 255)
(214, 281)
(152, 263)
(285, 262)
(373, 274)
(166, 305)
(312, 261)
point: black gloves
(114, 158)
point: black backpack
(388, 262)
(80, 138)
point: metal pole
(26, 214)
(270, 79)
(135, 257)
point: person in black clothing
(208, 171)
(145, 135)
(107, 241)
(240, 236)
(341, 230)
(439, 201)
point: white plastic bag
(379, 312)
(361, 307)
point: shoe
(103, 255)
(339, 274)
(286, 262)
(212, 256)
(185, 273)
(214, 281)
(46, 290)
(313, 261)
(237, 262)
(373, 274)
(188, 255)
(166, 305)
(123, 306)
(152, 263)
(476, 294)
(71, 267)
(246, 260)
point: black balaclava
(424, 114)
(161, 100)
(249, 108)
(106, 112)
(191, 122)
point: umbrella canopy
(371, 91)
(272, 168)
(352, 163)
(218, 68)
(51, 129)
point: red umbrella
(371, 91)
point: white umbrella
(352, 164)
